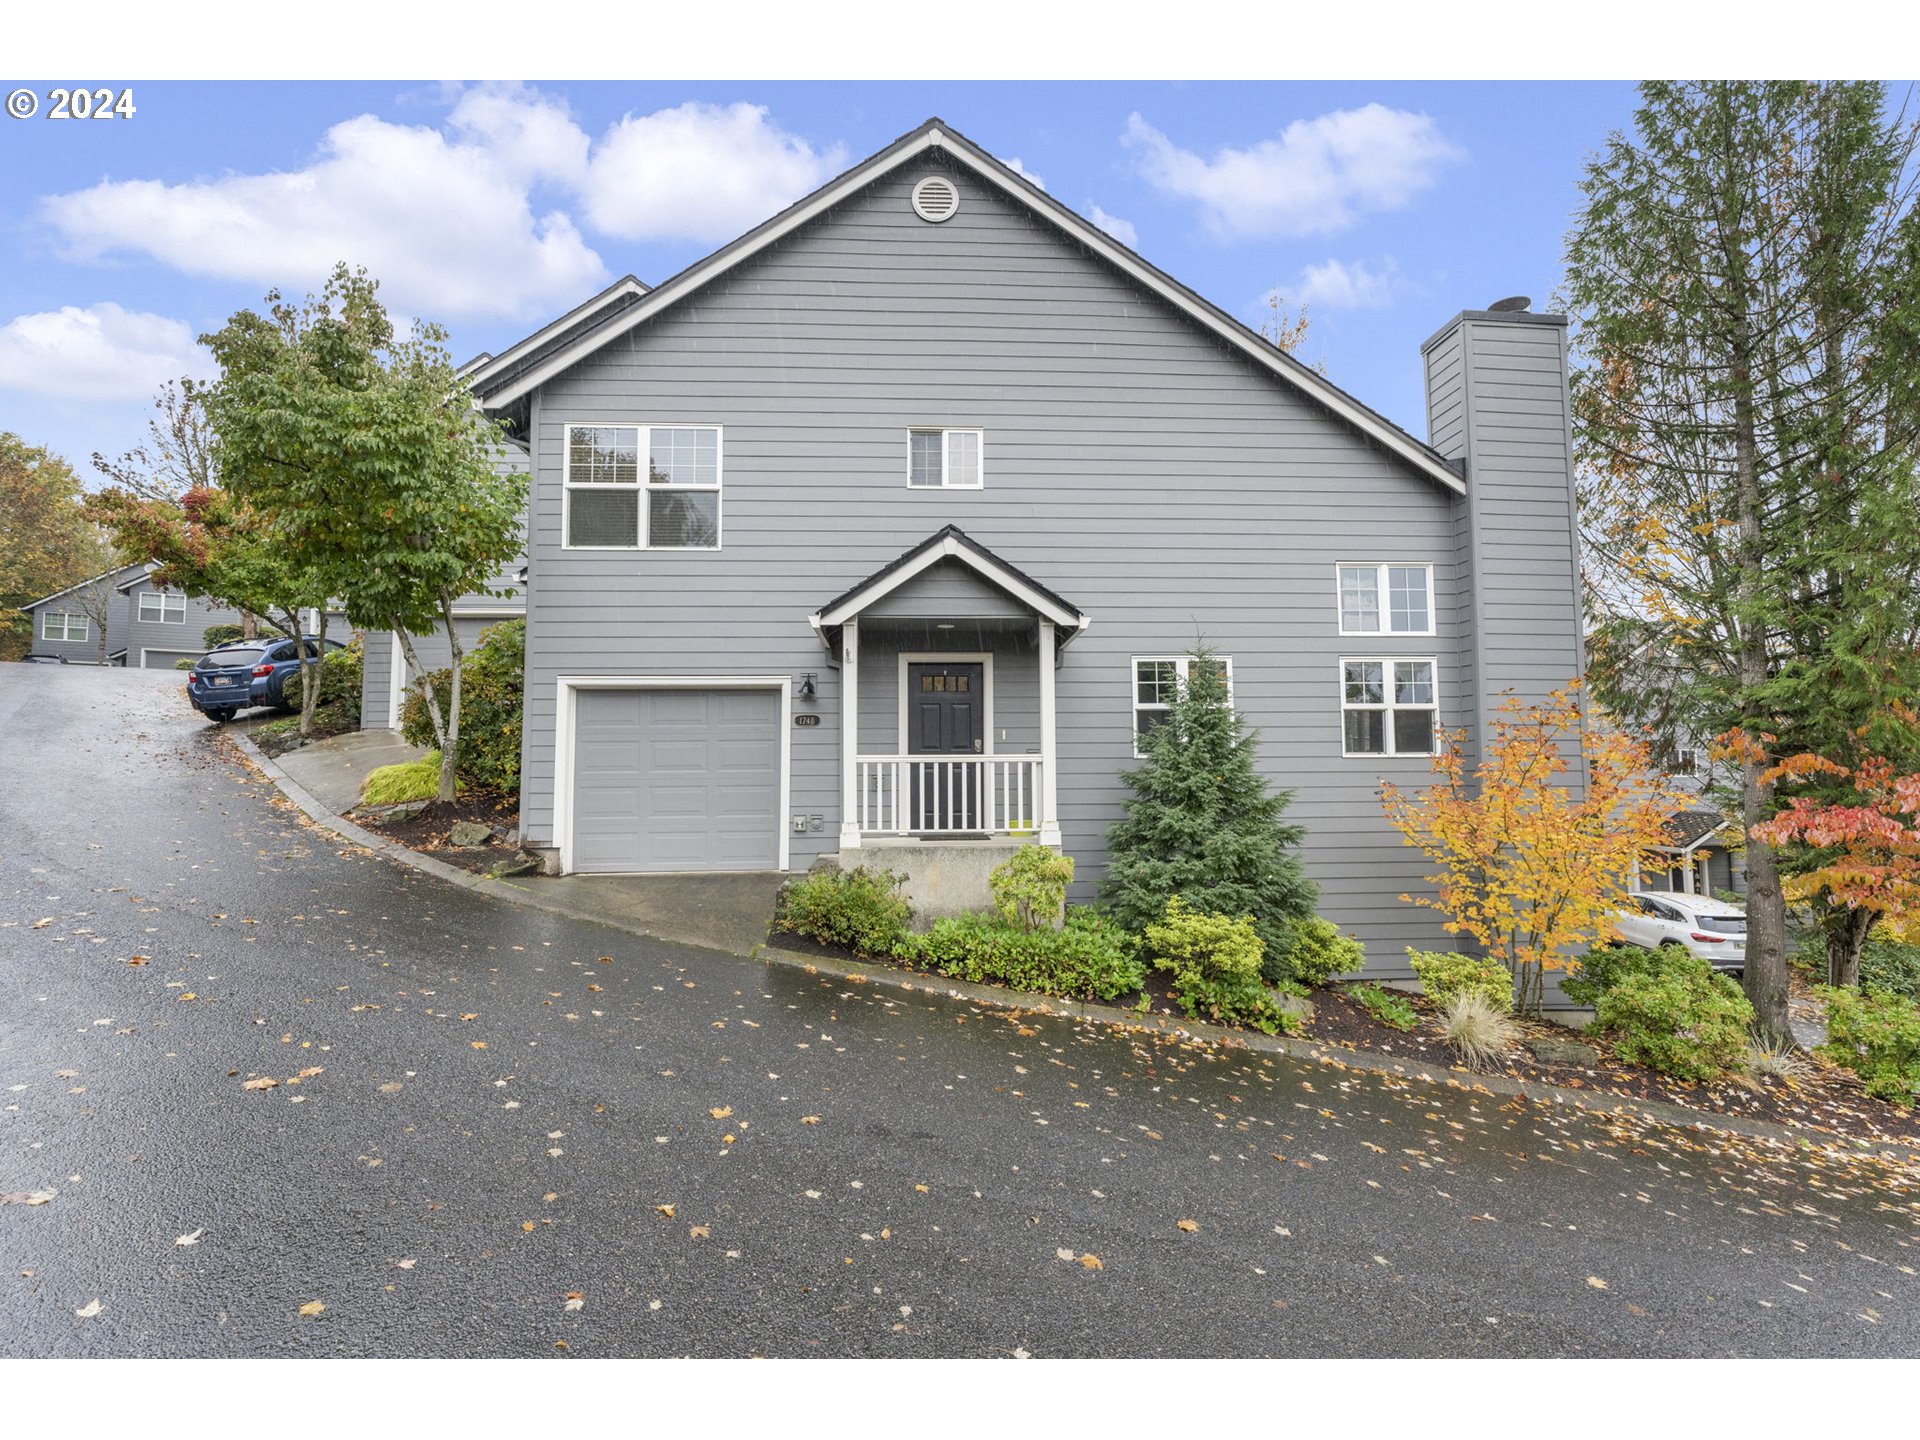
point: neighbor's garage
(673, 780)
(167, 659)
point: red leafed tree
(1865, 830)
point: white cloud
(475, 217)
(99, 353)
(1317, 177)
(445, 222)
(1121, 230)
(1336, 285)
(1012, 162)
(699, 172)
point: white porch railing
(948, 794)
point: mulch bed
(427, 831)
(325, 726)
(1827, 1101)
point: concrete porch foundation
(937, 877)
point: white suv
(1716, 932)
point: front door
(946, 716)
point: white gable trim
(81, 585)
(481, 364)
(950, 548)
(1088, 234)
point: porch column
(1049, 748)
(850, 735)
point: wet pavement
(497, 1132)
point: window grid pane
(683, 457)
(1157, 681)
(963, 457)
(924, 447)
(1365, 683)
(603, 455)
(1359, 598)
(1407, 593)
(1412, 682)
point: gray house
(164, 627)
(144, 626)
(885, 530)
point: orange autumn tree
(1531, 863)
(1865, 831)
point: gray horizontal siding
(1164, 484)
(90, 602)
(183, 636)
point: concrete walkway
(333, 770)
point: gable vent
(935, 199)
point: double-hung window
(1156, 684)
(1386, 599)
(1387, 706)
(60, 625)
(944, 459)
(163, 605)
(612, 503)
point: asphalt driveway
(495, 1132)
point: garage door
(167, 659)
(671, 780)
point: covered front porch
(948, 719)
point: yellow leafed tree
(1531, 863)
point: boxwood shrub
(1090, 957)
(861, 910)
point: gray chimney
(1497, 406)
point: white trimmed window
(59, 625)
(1387, 707)
(1156, 684)
(609, 508)
(1386, 599)
(163, 605)
(945, 459)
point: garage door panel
(671, 780)
(167, 659)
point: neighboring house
(84, 624)
(164, 627)
(894, 520)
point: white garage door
(675, 780)
(167, 659)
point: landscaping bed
(1826, 1100)
(278, 737)
(429, 830)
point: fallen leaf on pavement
(42, 924)
(265, 1082)
(88, 1310)
(809, 1119)
(136, 960)
(186, 995)
(405, 1264)
(190, 1239)
(698, 1232)
(1188, 1225)
(312, 1308)
(474, 1016)
(721, 1112)
(666, 1210)
(575, 1300)
(478, 1044)
(392, 1087)
(1092, 1261)
(1596, 1282)
(27, 1197)
(527, 1225)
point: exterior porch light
(806, 691)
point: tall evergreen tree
(1202, 824)
(1742, 278)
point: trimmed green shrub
(1678, 1017)
(1090, 956)
(1445, 974)
(340, 679)
(1387, 1007)
(1215, 964)
(1875, 1034)
(1317, 953)
(1202, 824)
(399, 784)
(492, 686)
(1030, 888)
(1605, 966)
(860, 909)
(186, 662)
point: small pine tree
(1201, 824)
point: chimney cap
(1511, 303)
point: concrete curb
(1597, 1102)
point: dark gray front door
(946, 715)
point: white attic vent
(935, 199)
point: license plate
(222, 680)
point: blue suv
(248, 672)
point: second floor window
(1156, 684)
(59, 625)
(1387, 707)
(944, 459)
(163, 605)
(612, 505)
(1386, 599)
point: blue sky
(1386, 206)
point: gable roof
(499, 369)
(499, 385)
(82, 584)
(132, 580)
(949, 543)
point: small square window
(944, 459)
